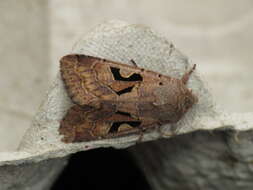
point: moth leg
(187, 75)
(142, 131)
(133, 62)
(166, 134)
(156, 127)
(140, 138)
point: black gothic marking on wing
(117, 76)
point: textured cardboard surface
(216, 36)
(119, 41)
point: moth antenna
(133, 62)
(187, 75)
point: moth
(112, 99)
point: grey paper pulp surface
(118, 41)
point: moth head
(174, 99)
(186, 101)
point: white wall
(24, 65)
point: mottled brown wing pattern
(114, 99)
(80, 78)
(82, 124)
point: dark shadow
(101, 169)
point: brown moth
(113, 99)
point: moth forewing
(123, 99)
